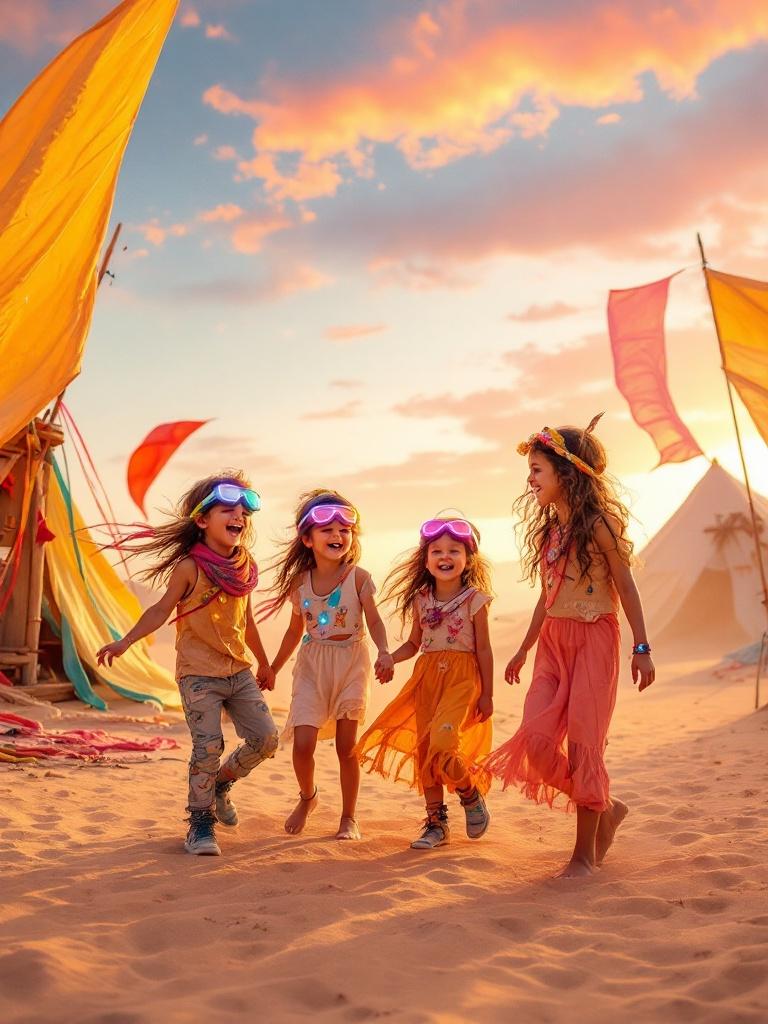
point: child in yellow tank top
(203, 557)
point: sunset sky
(374, 242)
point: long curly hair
(410, 576)
(295, 558)
(588, 498)
(168, 543)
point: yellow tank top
(210, 641)
(573, 596)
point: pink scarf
(238, 575)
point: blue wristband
(641, 649)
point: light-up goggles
(322, 515)
(228, 494)
(459, 529)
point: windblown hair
(295, 558)
(589, 498)
(410, 575)
(174, 539)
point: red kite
(153, 453)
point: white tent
(698, 577)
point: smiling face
(446, 559)
(332, 541)
(542, 479)
(223, 526)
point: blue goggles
(231, 495)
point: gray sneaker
(435, 831)
(226, 811)
(201, 838)
(477, 815)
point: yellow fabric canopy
(90, 597)
(61, 146)
(740, 307)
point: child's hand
(643, 667)
(484, 707)
(265, 677)
(512, 672)
(384, 667)
(111, 651)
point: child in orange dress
(437, 730)
(575, 539)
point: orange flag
(740, 307)
(153, 453)
(636, 328)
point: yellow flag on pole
(740, 308)
(61, 146)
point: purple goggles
(459, 529)
(322, 515)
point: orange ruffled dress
(557, 754)
(428, 735)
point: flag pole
(752, 512)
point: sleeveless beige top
(573, 596)
(210, 641)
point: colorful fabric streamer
(636, 328)
(153, 453)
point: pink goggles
(322, 515)
(459, 529)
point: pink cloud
(250, 233)
(200, 140)
(420, 276)
(277, 282)
(609, 119)
(189, 18)
(350, 332)
(535, 314)
(226, 212)
(34, 24)
(306, 181)
(156, 233)
(225, 153)
(346, 411)
(218, 32)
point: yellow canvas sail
(61, 146)
(740, 307)
(93, 606)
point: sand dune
(105, 919)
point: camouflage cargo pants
(202, 698)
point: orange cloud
(609, 119)
(465, 79)
(218, 32)
(418, 276)
(535, 314)
(249, 235)
(350, 332)
(306, 181)
(155, 233)
(223, 212)
(277, 282)
(341, 412)
(189, 18)
(225, 153)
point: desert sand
(106, 919)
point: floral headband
(554, 439)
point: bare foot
(606, 828)
(348, 828)
(297, 819)
(577, 868)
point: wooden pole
(752, 512)
(108, 255)
(36, 574)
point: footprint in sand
(643, 906)
(685, 838)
